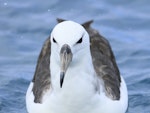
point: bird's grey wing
(41, 77)
(104, 62)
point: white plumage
(83, 90)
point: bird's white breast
(77, 96)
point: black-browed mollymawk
(76, 72)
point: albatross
(76, 72)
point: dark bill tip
(62, 74)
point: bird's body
(83, 90)
(77, 101)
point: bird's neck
(79, 74)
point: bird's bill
(65, 59)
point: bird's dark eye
(79, 41)
(54, 40)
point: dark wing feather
(41, 78)
(104, 63)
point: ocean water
(24, 25)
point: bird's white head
(69, 43)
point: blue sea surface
(24, 26)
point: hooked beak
(65, 59)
